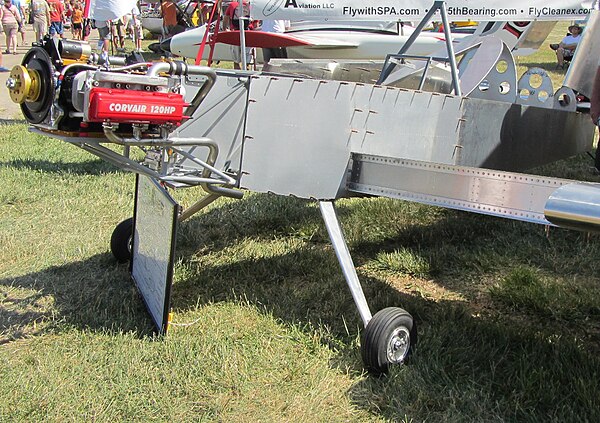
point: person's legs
(104, 35)
(52, 29)
(236, 56)
(36, 30)
(249, 58)
(10, 30)
(267, 55)
(2, 68)
(138, 35)
(118, 35)
(560, 57)
(13, 40)
(567, 55)
(77, 27)
(56, 28)
(60, 29)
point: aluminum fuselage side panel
(401, 123)
(297, 136)
(301, 132)
(514, 137)
(221, 117)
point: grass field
(508, 312)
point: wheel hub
(23, 84)
(398, 345)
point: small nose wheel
(120, 241)
(389, 338)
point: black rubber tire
(120, 241)
(377, 337)
(597, 159)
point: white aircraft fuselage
(322, 44)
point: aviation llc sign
(274, 5)
(416, 9)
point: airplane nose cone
(165, 45)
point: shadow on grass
(466, 368)
(472, 369)
(11, 121)
(90, 167)
(96, 294)
(469, 366)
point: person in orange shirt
(77, 22)
(169, 15)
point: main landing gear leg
(390, 336)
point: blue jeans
(56, 28)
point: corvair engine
(67, 92)
(62, 87)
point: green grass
(266, 330)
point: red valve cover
(128, 106)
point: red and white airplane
(338, 40)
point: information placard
(153, 248)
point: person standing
(135, 24)
(57, 14)
(21, 9)
(11, 19)
(169, 15)
(231, 22)
(77, 22)
(41, 18)
(277, 27)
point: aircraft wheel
(389, 338)
(120, 241)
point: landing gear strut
(391, 335)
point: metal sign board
(415, 10)
(153, 248)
